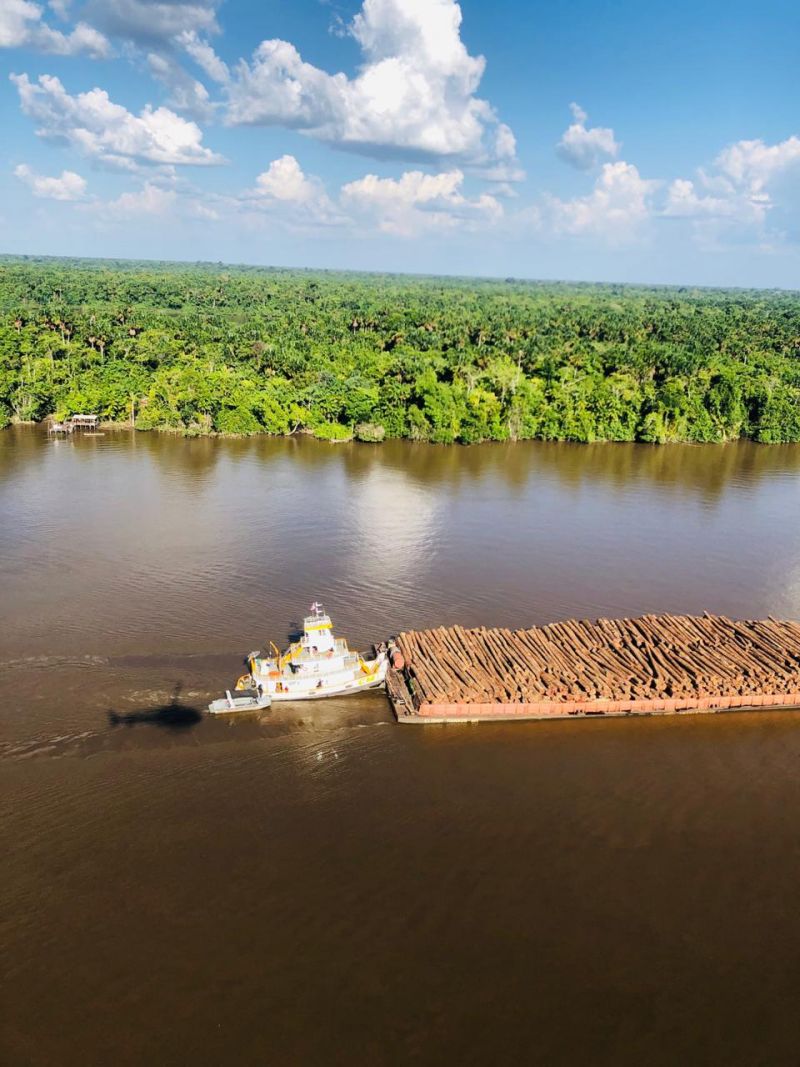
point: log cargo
(654, 664)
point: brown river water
(321, 885)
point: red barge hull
(433, 713)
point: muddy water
(320, 885)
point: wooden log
(667, 656)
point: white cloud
(204, 55)
(505, 189)
(620, 202)
(750, 185)
(584, 147)
(412, 204)
(21, 26)
(151, 200)
(152, 22)
(285, 192)
(185, 92)
(684, 202)
(204, 211)
(161, 28)
(164, 198)
(416, 202)
(285, 180)
(69, 186)
(280, 89)
(505, 143)
(107, 132)
(739, 194)
(414, 96)
(752, 165)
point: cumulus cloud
(284, 180)
(685, 201)
(201, 210)
(162, 29)
(739, 193)
(583, 146)
(417, 202)
(186, 93)
(21, 26)
(286, 192)
(68, 186)
(412, 204)
(414, 96)
(107, 132)
(204, 56)
(751, 165)
(151, 200)
(616, 208)
(152, 22)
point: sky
(597, 140)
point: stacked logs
(654, 657)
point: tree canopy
(206, 348)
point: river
(321, 885)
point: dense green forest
(204, 348)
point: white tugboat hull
(334, 690)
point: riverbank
(368, 434)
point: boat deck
(307, 656)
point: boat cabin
(317, 631)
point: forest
(206, 348)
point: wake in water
(159, 718)
(44, 663)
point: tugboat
(318, 665)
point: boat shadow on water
(171, 716)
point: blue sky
(599, 141)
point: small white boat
(318, 665)
(250, 700)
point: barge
(654, 664)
